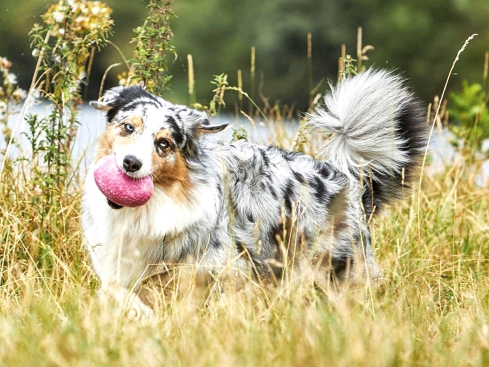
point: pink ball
(119, 187)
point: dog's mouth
(114, 205)
(120, 189)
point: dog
(244, 206)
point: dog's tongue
(119, 188)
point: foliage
(221, 83)
(219, 36)
(350, 67)
(279, 28)
(468, 109)
(65, 47)
(430, 308)
(40, 187)
(239, 134)
(152, 45)
(10, 98)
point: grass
(431, 307)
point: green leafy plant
(221, 83)
(152, 45)
(349, 66)
(42, 186)
(239, 134)
(65, 47)
(468, 108)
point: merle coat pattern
(247, 205)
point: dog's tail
(378, 134)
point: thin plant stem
(435, 118)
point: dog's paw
(129, 303)
(137, 310)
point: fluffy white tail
(378, 130)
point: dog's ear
(108, 100)
(206, 128)
(198, 123)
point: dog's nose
(131, 163)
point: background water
(92, 124)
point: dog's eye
(162, 144)
(128, 128)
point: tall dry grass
(430, 308)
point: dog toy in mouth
(120, 188)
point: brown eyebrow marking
(135, 121)
(164, 134)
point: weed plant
(152, 47)
(430, 308)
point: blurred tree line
(419, 38)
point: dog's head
(149, 135)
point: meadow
(430, 307)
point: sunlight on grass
(430, 307)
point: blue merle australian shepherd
(244, 206)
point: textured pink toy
(119, 187)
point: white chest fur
(123, 242)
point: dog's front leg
(128, 301)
